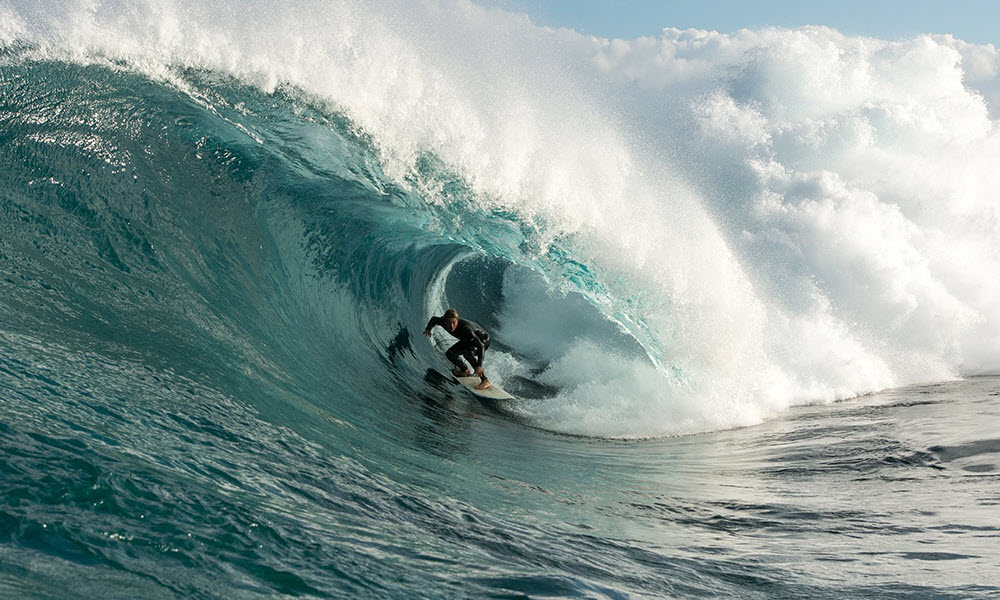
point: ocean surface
(743, 286)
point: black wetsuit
(472, 343)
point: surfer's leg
(484, 382)
(470, 355)
(454, 354)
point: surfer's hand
(427, 332)
(479, 371)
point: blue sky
(975, 21)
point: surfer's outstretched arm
(449, 321)
(431, 324)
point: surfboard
(494, 392)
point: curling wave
(668, 235)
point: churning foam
(782, 216)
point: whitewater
(742, 284)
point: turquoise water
(120, 480)
(213, 382)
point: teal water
(213, 383)
(165, 488)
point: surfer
(472, 344)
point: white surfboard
(494, 392)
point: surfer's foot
(461, 372)
(484, 384)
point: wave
(668, 235)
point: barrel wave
(209, 282)
(710, 265)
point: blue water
(213, 382)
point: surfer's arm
(430, 325)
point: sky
(976, 21)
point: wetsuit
(472, 342)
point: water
(746, 304)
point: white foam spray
(782, 216)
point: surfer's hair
(450, 314)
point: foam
(780, 216)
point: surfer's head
(450, 319)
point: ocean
(742, 285)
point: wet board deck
(494, 392)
